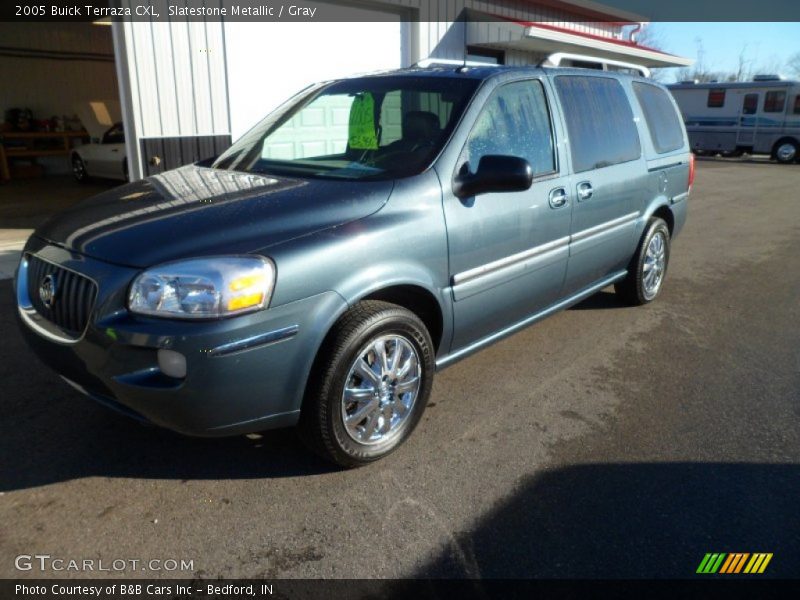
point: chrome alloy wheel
(786, 152)
(655, 261)
(381, 389)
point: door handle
(558, 197)
(585, 191)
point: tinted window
(599, 121)
(665, 127)
(750, 104)
(516, 122)
(797, 105)
(774, 102)
(716, 98)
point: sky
(767, 44)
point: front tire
(787, 151)
(369, 385)
(648, 268)
(79, 169)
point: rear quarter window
(599, 121)
(662, 121)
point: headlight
(203, 288)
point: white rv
(758, 117)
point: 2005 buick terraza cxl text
(369, 232)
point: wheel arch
(659, 208)
(418, 300)
(665, 212)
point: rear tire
(648, 268)
(369, 385)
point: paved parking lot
(605, 441)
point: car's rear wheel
(648, 267)
(369, 386)
(79, 169)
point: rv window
(716, 98)
(797, 104)
(774, 102)
(750, 105)
(662, 120)
(600, 122)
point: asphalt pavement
(605, 441)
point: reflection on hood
(176, 191)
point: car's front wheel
(79, 169)
(787, 151)
(370, 384)
(648, 267)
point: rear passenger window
(515, 122)
(774, 102)
(659, 113)
(599, 121)
(797, 105)
(716, 98)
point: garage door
(269, 62)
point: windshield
(367, 128)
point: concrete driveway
(603, 442)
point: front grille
(73, 299)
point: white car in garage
(103, 157)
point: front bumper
(244, 374)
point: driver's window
(515, 122)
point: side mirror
(496, 173)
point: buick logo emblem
(47, 291)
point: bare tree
(743, 70)
(652, 37)
(793, 65)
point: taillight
(691, 170)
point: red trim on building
(591, 36)
(593, 15)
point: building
(187, 89)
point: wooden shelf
(11, 153)
(65, 138)
(26, 135)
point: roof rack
(428, 63)
(554, 60)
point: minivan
(369, 232)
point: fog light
(172, 363)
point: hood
(197, 211)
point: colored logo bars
(735, 562)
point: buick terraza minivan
(369, 232)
